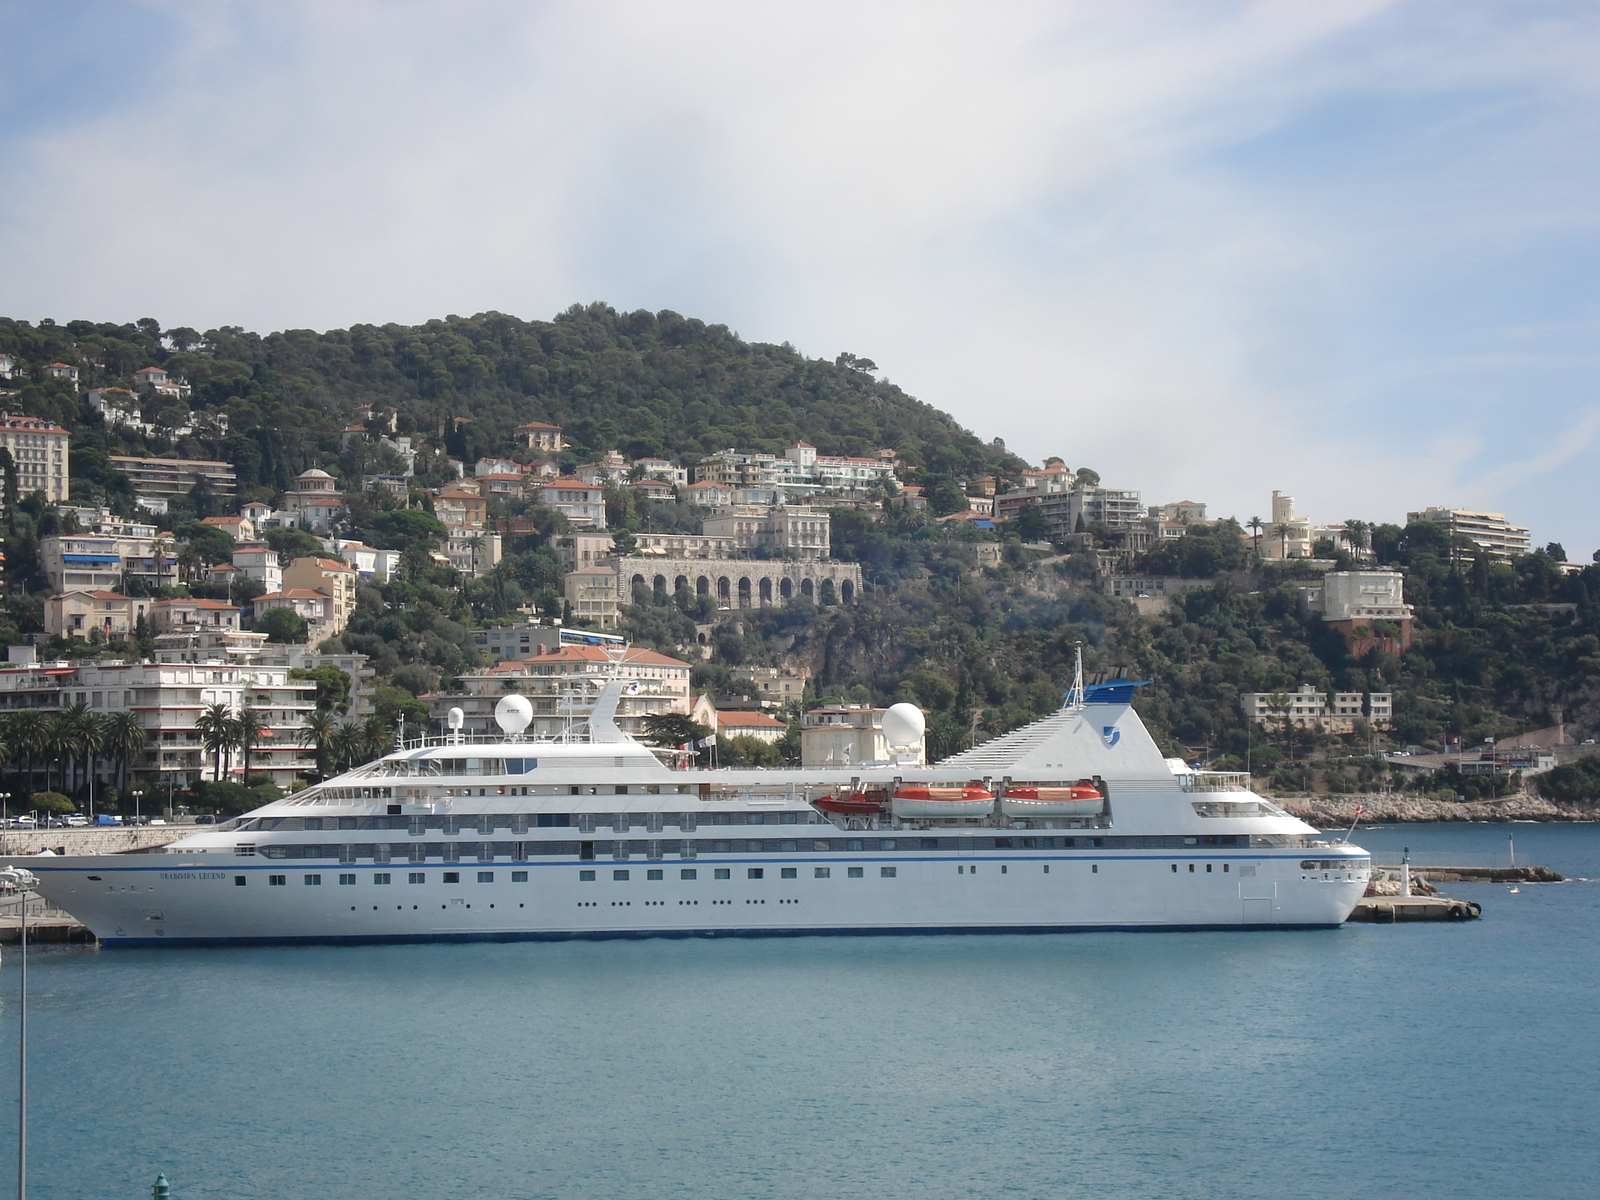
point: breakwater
(114, 840)
(1331, 812)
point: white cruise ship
(1075, 822)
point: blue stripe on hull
(611, 935)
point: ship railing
(1215, 781)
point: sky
(1344, 249)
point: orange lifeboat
(969, 801)
(852, 804)
(1081, 799)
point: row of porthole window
(383, 877)
(621, 875)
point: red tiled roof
(539, 425)
(749, 720)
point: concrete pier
(135, 839)
(1389, 910)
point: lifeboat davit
(1077, 800)
(852, 804)
(970, 801)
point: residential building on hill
(539, 436)
(574, 550)
(77, 560)
(315, 500)
(1368, 608)
(39, 450)
(158, 478)
(1307, 708)
(591, 596)
(461, 509)
(740, 582)
(685, 545)
(161, 381)
(327, 575)
(507, 643)
(64, 371)
(1286, 535)
(584, 504)
(795, 531)
(1488, 530)
(744, 723)
(82, 611)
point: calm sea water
(1452, 1060)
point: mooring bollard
(159, 1190)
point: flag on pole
(707, 741)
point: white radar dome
(513, 713)
(903, 725)
(456, 718)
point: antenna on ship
(1075, 695)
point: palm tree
(321, 727)
(216, 734)
(124, 736)
(1355, 532)
(1282, 531)
(377, 739)
(346, 744)
(1256, 524)
(69, 733)
(189, 564)
(26, 736)
(249, 728)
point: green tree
(213, 545)
(217, 734)
(673, 729)
(249, 728)
(123, 738)
(295, 543)
(282, 625)
(333, 685)
(321, 729)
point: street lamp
(138, 795)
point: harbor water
(1450, 1059)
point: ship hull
(142, 901)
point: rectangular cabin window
(821, 872)
(724, 873)
(586, 851)
(313, 823)
(452, 876)
(238, 881)
(312, 880)
(790, 873)
(688, 873)
(855, 872)
(585, 876)
(619, 876)
(654, 874)
(519, 877)
(277, 880)
(485, 876)
(889, 872)
(381, 877)
(416, 877)
(754, 873)
(347, 880)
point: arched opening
(766, 593)
(744, 591)
(660, 587)
(702, 586)
(807, 590)
(847, 591)
(680, 584)
(724, 591)
(828, 595)
(640, 590)
(786, 590)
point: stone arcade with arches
(739, 582)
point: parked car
(205, 819)
(154, 821)
(107, 819)
(24, 823)
(76, 820)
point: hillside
(984, 642)
(646, 384)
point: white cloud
(1032, 215)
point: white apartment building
(584, 504)
(1489, 530)
(562, 684)
(39, 450)
(255, 560)
(78, 560)
(795, 531)
(1307, 708)
(591, 596)
(168, 698)
(507, 643)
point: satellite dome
(512, 714)
(904, 725)
(456, 718)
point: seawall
(132, 840)
(1332, 812)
